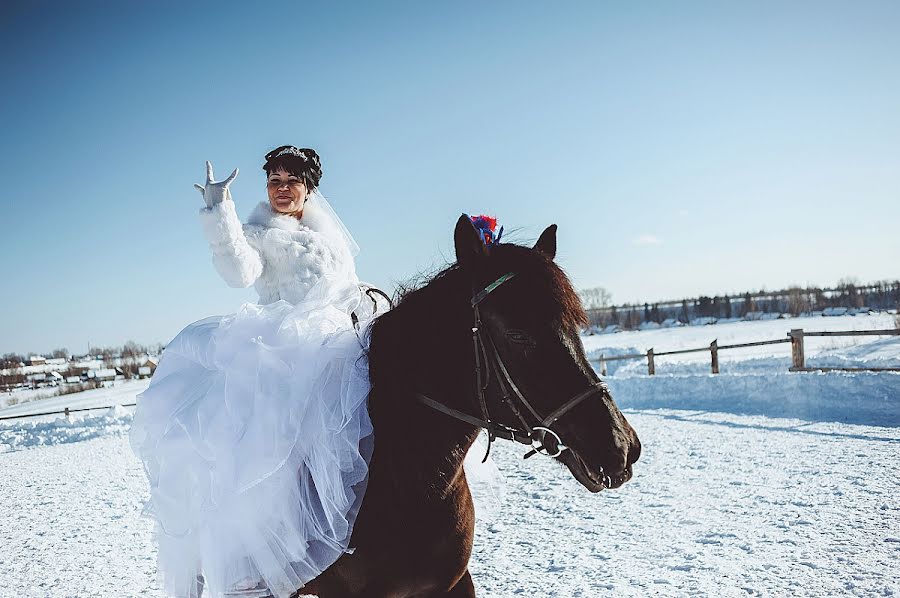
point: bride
(254, 431)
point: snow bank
(18, 435)
(866, 398)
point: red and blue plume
(487, 226)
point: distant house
(148, 367)
(36, 360)
(102, 375)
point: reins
(488, 359)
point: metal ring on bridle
(540, 447)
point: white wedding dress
(254, 431)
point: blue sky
(682, 148)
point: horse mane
(434, 301)
(548, 282)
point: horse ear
(546, 244)
(469, 246)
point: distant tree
(821, 301)
(60, 353)
(797, 301)
(634, 320)
(727, 306)
(11, 361)
(646, 312)
(748, 305)
(132, 349)
(595, 298)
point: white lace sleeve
(237, 262)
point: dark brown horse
(413, 536)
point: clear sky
(682, 148)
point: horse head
(535, 376)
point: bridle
(488, 360)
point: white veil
(324, 208)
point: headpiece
(298, 160)
(289, 150)
(487, 225)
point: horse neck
(426, 351)
(427, 447)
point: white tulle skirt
(256, 439)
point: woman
(254, 431)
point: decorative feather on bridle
(487, 227)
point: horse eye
(518, 336)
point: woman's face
(287, 192)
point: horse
(490, 342)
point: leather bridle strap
(529, 435)
(594, 388)
(560, 411)
(500, 432)
(480, 295)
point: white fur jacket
(283, 257)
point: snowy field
(755, 482)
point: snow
(101, 397)
(753, 482)
(62, 430)
(721, 505)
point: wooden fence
(795, 337)
(65, 411)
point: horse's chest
(421, 543)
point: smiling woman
(292, 173)
(254, 431)
(287, 193)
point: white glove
(215, 193)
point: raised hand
(213, 192)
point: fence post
(602, 365)
(714, 351)
(67, 412)
(651, 366)
(798, 360)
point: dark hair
(301, 162)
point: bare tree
(798, 301)
(595, 298)
(11, 361)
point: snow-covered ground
(755, 482)
(121, 393)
